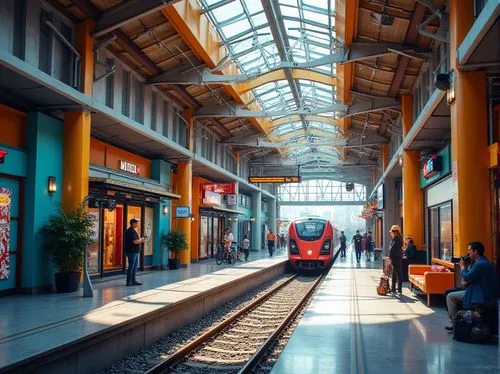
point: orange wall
(110, 156)
(12, 127)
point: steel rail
(181, 353)
(263, 349)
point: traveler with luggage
(396, 258)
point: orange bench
(430, 282)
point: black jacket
(396, 248)
(411, 253)
(357, 239)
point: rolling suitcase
(470, 327)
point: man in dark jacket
(480, 279)
(132, 249)
(343, 244)
(396, 256)
(357, 240)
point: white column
(256, 224)
(272, 214)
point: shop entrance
(106, 255)
(211, 233)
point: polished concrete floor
(348, 328)
(32, 324)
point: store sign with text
(432, 167)
(129, 167)
(212, 198)
(220, 188)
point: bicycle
(224, 255)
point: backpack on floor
(470, 327)
(383, 286)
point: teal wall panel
(161, 171)
(45, 141)
(15, 162)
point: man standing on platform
(271, 238)
(396, 256)
(357, 240)
(343, 244)
(132, 250)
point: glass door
(94, 253)
(210, 237)
(203, 237)
(216, 239)
(112, 254)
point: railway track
(239, 343)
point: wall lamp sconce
(235, 219)
(52, 186)
(400, 161)
(192, 218)
(164, 210)
(252, 219)
(229, 219)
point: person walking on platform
(271, 238)
(246, 247)
(396, 258)
(357, 240)
(369, 246)
(132, 250)
(343, 244)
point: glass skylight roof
(307, 34)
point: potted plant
(176, 242)
(70, 233)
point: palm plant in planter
(176, 242)
(70, 233)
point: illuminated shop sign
(276, 179)
(182, 212)
(3, 153)
(130, 167)
(222, 188)
(212, 198)
(432, 167)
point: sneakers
(135, 283)
(448, 328)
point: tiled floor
(350, 329)
(32, 324)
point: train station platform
(348, 328)
(36, 330)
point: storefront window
(204, 237)
(93, 250)
(441, 232)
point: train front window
(310, 230)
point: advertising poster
(148, 231)
(5, 198)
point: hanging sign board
(182, 212)
(275, 179)
(212, 198)
(5, 207)
(432, 166)
(221, 188)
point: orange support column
(413, 205)
(469, 143)
(184, 183)
(77, 126)
(76, 158)
(385, 156)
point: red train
(311, 243)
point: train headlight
(309, 252)
(325, 249)
(294, 249)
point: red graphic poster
(5, 196)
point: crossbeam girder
(126, 12)
(231, 110)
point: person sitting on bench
(480, 279)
